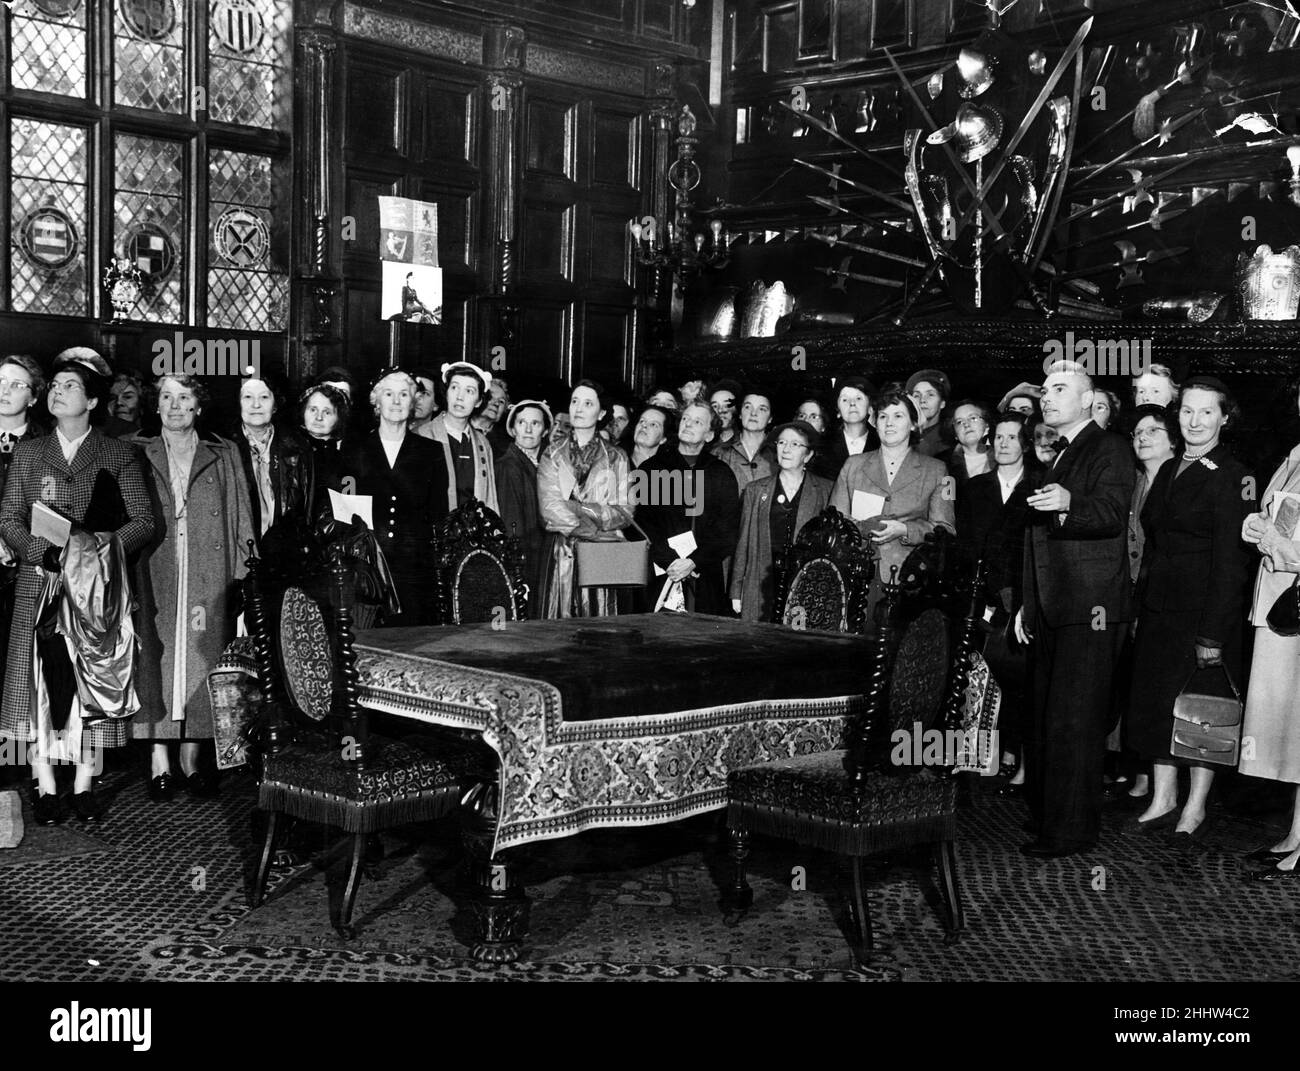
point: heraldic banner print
(408, 250)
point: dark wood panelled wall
(536, 127)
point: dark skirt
(1164, 658)
(1009, 663)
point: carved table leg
(738, 896)
(497, 896)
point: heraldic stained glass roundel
(48, 238)
(58, 9)
(241, 238)
(238, 25)
(151, 249)
(150, 20)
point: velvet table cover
(620, 721)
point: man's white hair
(1071, 368)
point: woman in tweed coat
(41, 471)
(187, 582)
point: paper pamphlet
(50, 525)
(866, 505)
(345, 507)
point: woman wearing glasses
(773, 510)
(1156, 439)
(972, 456)
(96, 482)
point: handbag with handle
(1207, 728)
(618, 563)
(1284, 614)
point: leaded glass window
(248, 60)
(149, 221)
(47, 217)
(149, 54)
(248, 285)
(48, 45)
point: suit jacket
(1194, 561)
(920, 496)
(753, 575)
(834, 451)
(994, 530)
(1078, 564)
(485, 480)
(521, 514)
(39, 472)
(711, 511)
(409, 499)
(293, 477)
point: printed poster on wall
(408, 254)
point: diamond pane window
(149, 54)
(149, 221)
(47, 198)
(248, 62)
(48, 47)
(248, 284)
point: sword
(831, 240)
(843, 274)
(981, 194)
(826, 128)
(870, 221)
(862, 186)
(1155, 221)
(1167, 130)
(1153, 257)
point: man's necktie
(1059, 446)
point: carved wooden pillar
(662, 205)
(503, 49)
(317, 283)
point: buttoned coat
(753, 575)
(921, 497)
(1077, 567)
(39, 473)
(521, 515)
(219, 525)
(485, 480)
(409, 499)
(293, 477)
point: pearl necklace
(1196, 457)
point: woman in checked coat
(41, 471)
(187, 586)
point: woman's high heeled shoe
(162, 788)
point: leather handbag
(1284, 614)
(1207, 728)
(614, 563)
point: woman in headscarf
(95, 482)
(187, 582)
(582, 483)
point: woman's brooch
(1209, 464)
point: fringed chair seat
(856, 801)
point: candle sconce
(677, 245)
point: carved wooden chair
(480, 569)
(823, 576)
(321, 762)
(857, 801)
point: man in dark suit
(1077, 596)
(689, 496)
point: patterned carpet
(158, 892)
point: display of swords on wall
(1095, 179)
